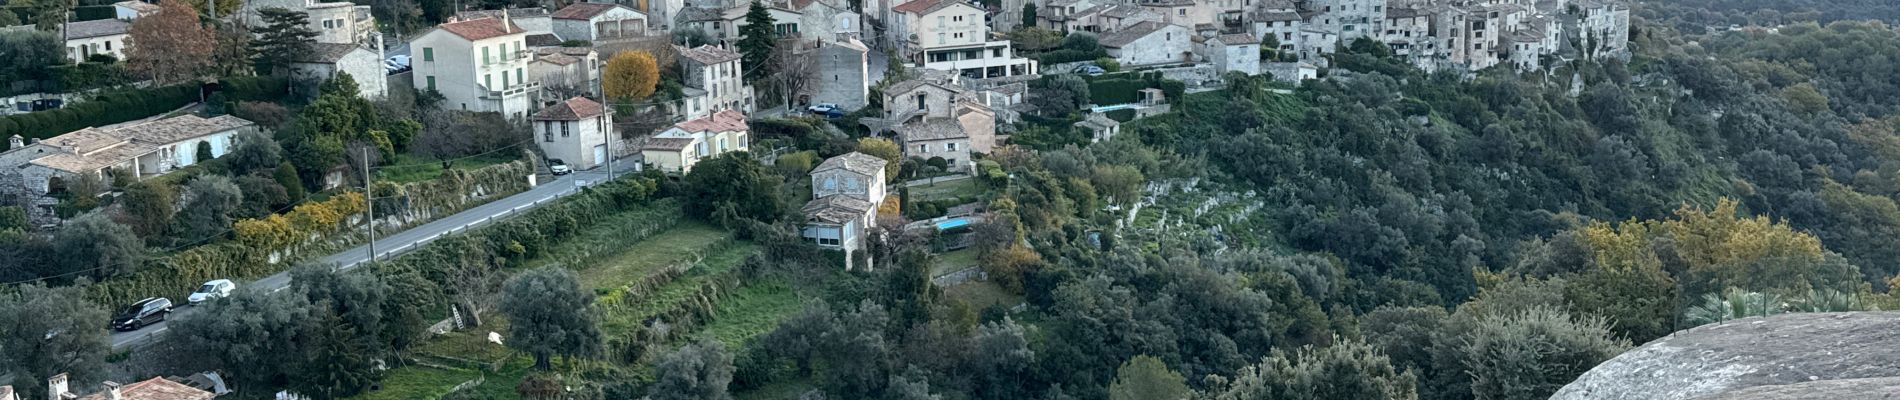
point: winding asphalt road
(410, 239)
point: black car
(142, 313)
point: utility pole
(369, 207)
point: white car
(558, 167)
(213, 290)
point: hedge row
(268, 245)
(131, 104)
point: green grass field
(753, 311)
(982, 294)
(966, 188)
(683, 241)
(952, 262)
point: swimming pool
(952, 223)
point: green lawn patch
(953, 262)
(961, 188)
(677, 291)
(753, 311)
(635, 261)
(409, 168)
(982, 294)
(418, 382)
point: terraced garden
(659, 279)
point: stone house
(598, 21)
(1100, 127)
(565, 72)
(477, 65)
(326, 60)
(1149, 43)
(719, 73)
(575, 131)
(1065, 15)
(936, 138)
(843, 76)
(678, 148)
(846, 193)
(1232, 53)
(1186, 13)
(826, 20)
(786, 21)
(33, 172)
(334, 22)
(105, 36)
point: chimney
(504, 21)
(13, 143)
(112, 391)
(56, 388)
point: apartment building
(950, 35)
(477, 65)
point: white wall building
(326, 60)
(334, 22)
(575, 131)
(678, 148)
(105, 36)
(950, 35)
(36, 171)
(1233, 53)
(534, 20)
(1149, 43)
(720, 74)
(478, 65)
(847, 191)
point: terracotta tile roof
(836, 209)
(326, 53)
(667, 144)
(156, 389)
(573, 109)
(931, 129)
(865, 164)
(530, 12)
(478, 29)
(1120, 38)
(708, 54)
(91, 149)
(1236, 39)
(583, 10)
(97, 28)
(543, 40)
(723, 121)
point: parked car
(828, 110)
(1090, 70)
(213, 290)
(142, 313)
(559, 167)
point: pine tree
(284, 37)
(758, 41)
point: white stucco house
(951, 35)
(38, 170)
(676, 149)
(477, 65)
(599, 21)
(104, 36)
(1149, 43)
(363, 64)
(846, 193)
(575, 131)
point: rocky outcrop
(1833, 356)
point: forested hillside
(1387, 233)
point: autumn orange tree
(170, 46)
(630, 75)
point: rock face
(1833, 356)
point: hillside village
(665, 166)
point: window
(108, 45)
(923, 148)
(957, 18)
(428, 54)
(563, 128)
(486, 83)
(940, 20)
(827, 242)
(996, 52)
(518, 76)
(485, 60)
(1182, 11)
(950, 147)
(940, 38)
(431, 79)
(504, 81)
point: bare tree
(796, 71)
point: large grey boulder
(1787, 356)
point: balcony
(517, 90)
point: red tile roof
(573, 109)
(156, 389)
(478, 29)
(723, 121)
(583, 10)
(917, 6)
